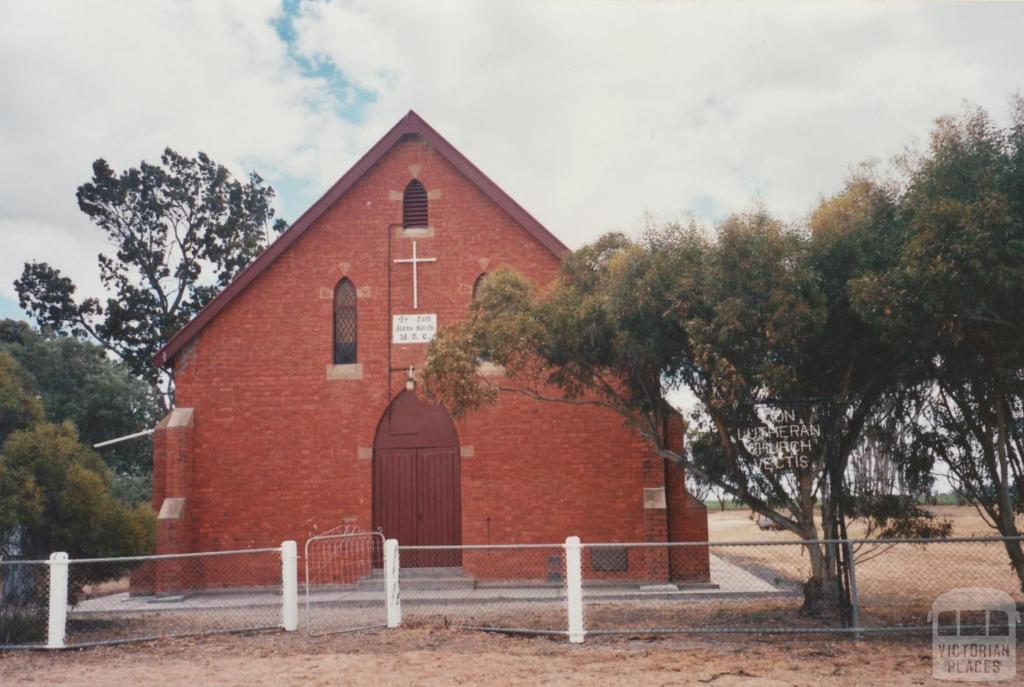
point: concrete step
(430, 573)
(421, 579)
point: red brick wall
(276, 444)
(687, 518)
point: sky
(592, 115)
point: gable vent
(414, 206)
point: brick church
(295, 412)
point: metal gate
(344, 582)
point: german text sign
(413, 329)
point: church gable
(300, 382)
(415, 164)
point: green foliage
(761, 307)
(952, 300)
(19, 404)
(54, 496)
(182, 231)
(76, 381)
(957, 286)
(757, 310)
(897, 516)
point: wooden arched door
(416, 481)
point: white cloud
(124, 80)
(587, 113)
(591, 112)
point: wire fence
(697, 587)
(146, 597)
(352, 581)
(769, 586)
(24, 603)
(511, 588)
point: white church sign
(413, 329)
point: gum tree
(757, 311)
(180, 232)
(953, 299)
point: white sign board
(413, 329)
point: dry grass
(435, 656)
(736, 525)
(895, 584)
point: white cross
(414, 260)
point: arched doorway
(416, 481)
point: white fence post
(574, 588)
(854, 598)
(57, 626)
(391, 587)
(289, 586)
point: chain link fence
(516, 588)
(146, 597)
(767, 587)
(24, 603)
(351, 581)
(898, 580)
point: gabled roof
(411, 123)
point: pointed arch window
(345, 320)
(414, 206)
(484, 356)
(478, 284)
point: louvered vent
(414, 206)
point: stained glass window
(344, 323)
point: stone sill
(415, 233)
(353, 371)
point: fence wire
(627, 588)
(897, 582)
(24, 603)
(124, 599)
(511, 588)
(344, 583)
(768, 587)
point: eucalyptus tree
(757, 311)
(179, 231)
(953, 299)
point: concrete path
(727, 579)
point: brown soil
(436, 656)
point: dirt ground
(438, 656)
